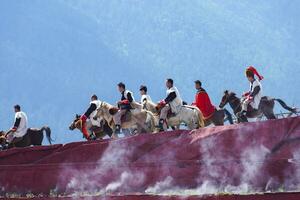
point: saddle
(96, 129)
(252, 113)
(171, 114)
(125, 118)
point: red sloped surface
(274, 196)
(265, 155)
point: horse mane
(232, 94)
(151, 102)
(106, 105)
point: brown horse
(219, 117)
(34, 136)
(99, 131)
(266, 107)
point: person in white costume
(125, 104)
(20, 126)
(172, 102)
(251, 99)
(89, 115)
(144, 95)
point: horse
(266, 106)
(138, 119)
(219, 117)
(33, 136)
(99, 131)
(189, 115)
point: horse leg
(269, 114)
(218, 118)
(267, 108)
(241, 117)
(228, 116)
(114, 135)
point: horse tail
(229, 116)
(283, 104)
(200, 118)
(48, 133)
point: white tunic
(258, 96)
(93, 114)
(145, 97)
(126, 93)
(176, 104)
(22, 129)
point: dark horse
(99, 131)
(266, 106)
(34, 136)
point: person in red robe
(202, 101)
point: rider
(252, 98)
(89, 114)
(20, 126)
(124, 105)
(144, 95)
(202, 101)
(173, 101)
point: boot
(92, 137)
(242, 116)
(118, 129)
(161, 125)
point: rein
(238, 106)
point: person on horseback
(172, 102)
(19, 128)
(144, 95)
(125, 104)
(89, 115)
(251, 99)
(202, 101)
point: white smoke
(213, 178)
(114, 156)
(161, 187)
(252, 160)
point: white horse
(189, 115)
(140, 120)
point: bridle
(232, 101)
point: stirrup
(161, 125)
(93, 137)
(118, 129)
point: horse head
(150, 106)
(158, 107)
(145, 105)
(2, 138)
(75, 123)
(228, 97)
(2, 133)
(101, 109)
(225, 99)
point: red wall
(221, 155)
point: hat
(252, 70)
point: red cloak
(202, 101)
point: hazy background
(55, 54)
